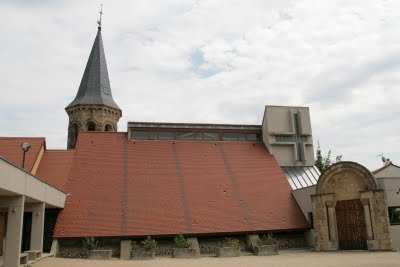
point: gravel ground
(285, 258)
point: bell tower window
(108, 128)
(91, 126)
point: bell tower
(93, 108)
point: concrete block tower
(93, 108)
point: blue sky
(213, 61)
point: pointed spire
(95, 85)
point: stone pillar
(55, 248)
(125, 250)
(331, 220)
(14, 231)
(252, 241)
(194, 243)
(37, 229)
(367, 215)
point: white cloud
(211, 61)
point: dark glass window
(140, 135)
(299, 151)
(291, 138)
(152, 135)
(394, 215)
(296, 123)
(230, 137)
(253, 137)
(211, 136)
(198, 136)
(186, 135)
(242, 137)
(166, 135)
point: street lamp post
(25, 147)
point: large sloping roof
(10, 149)
(95, 85)
(55, 167)
(124, 188)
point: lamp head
(25, 146)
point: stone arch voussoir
(342, 167)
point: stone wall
(104, 118)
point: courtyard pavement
(285, 258)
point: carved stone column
(367, 215)
(331, 220)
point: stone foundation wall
(72, 247)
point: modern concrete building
(21, 192)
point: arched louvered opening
(91, 126)
(109, 128)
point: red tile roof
(55, 166)
(124, 188)
(10, 149)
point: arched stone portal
(350, 211)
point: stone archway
(354, 188)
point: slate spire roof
(95, 86)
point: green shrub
(149, 244)
(89, 243)
(134, 245)
(231, 242)
(181, 241)
(267, 240)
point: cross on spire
(101, 13)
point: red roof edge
(384, 167)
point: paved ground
(297, 259)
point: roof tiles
(55, 167)
(125, 188)
(10, 149)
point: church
(205, 181)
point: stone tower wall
(100, 115)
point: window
(91, 126)
(198, 136)
(152, 135)
(253, 137)
(211, 136)
(290, 138)
(299, 151)
(186, 135)
(108, 128)
(166, 135)
(296, 118)
(394, 215)
(241, 137)
(230, 137)
(139, 135)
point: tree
(321, 162)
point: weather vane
(101, 13)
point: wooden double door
(352, 232)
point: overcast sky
(212, 61)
